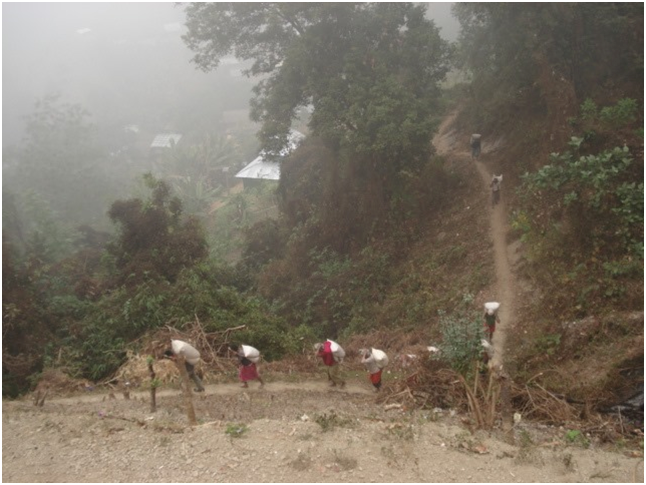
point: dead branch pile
(57, 382)
(433, 384)
(428, 384)
(211, 345)
(537, 403)
(135, 371)
(493, 397)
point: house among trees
(161, 144)
(261, 169)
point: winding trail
(504, 276)
(449, 143)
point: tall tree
(60, 160)
(155, 241)
(554, 54)
(368, 71)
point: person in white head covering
(496, 180)
(374, 360)
(490, 319)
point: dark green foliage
(369, 74)
(598, 197)
(462, 333)
(370, 71)
(583, 217)
(155, 242)
(264, 242)
(26, 327)
(528, 56)
(204, 291)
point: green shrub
(236, 430)
(462, 333)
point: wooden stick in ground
(506, 408)
(190, 410)
(473, 403)
(153, 385)
(493, 402)
(40, 400)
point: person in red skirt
(246, 356)
(332, 355)
(374, 365)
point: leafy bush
(589, 110)
(623, 113)
(614, 117)
(462, 334)
(595, 194)
(582, 217)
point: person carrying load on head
(248, 357)
(496, 180)
(332, 355)
(491, 318)
(191, 358)
(375, 360)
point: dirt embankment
(287, 432)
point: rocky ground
(286, 432)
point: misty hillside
(124, 212)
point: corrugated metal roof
(260, 168)
(165, 140)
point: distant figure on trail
(491, 318)
(332, 355)
(248, 357)
(487, 353)
(475, 145)
(496, 180)
(191, 358)
(375, 360)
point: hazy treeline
(95, 255)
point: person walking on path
(495, 189)
(248, 357)
(375, 360)
(191, 358)
(475, 145)
(332, 355)
(491, 318)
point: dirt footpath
(287, 432)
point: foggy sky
(129, 48)
(131, 61)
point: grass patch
(236, 430)
(331, 420)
